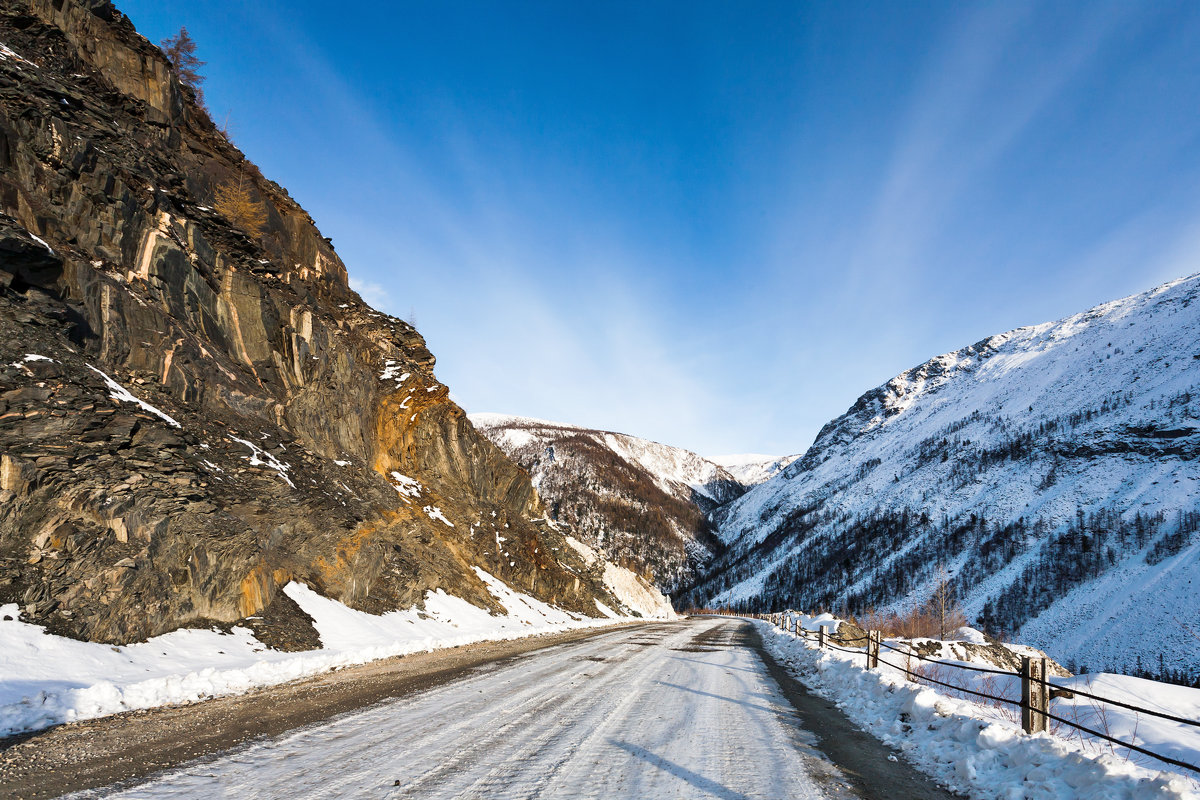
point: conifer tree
(181, 52)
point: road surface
(676, 710)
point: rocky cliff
(641, 504)
(192, 414)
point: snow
(435, 512)
(586, 553)
(969, 634)
(672, 468)
(28, 358)
(634, 594)
(409, 487)
(259, 457)
(119, 392)
(7, 53)
(484, 419)
(46, 679)
(979, 749)
(606, 611)
(391, 372)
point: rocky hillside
(193, 414)
(1052, 470)
(639, 503)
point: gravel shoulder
(126, 747)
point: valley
(252, 543)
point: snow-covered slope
(751, 469)
(1052, 470)
(639, 503)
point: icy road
(686, 710)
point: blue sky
(716, 224)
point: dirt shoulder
(126, 747)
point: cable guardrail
(1072, 689)
(1024, 703)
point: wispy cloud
(984, 90)
(374, 294)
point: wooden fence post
(872, 649)
(1035, 700)
(821, 637)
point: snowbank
(47, 679)
(979, 750)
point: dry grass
(924, 621)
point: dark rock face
(191, 417)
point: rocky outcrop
(192, 415)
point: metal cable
(1133, 747)
(910, 654)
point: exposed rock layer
(191, 416)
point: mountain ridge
(1034, 464)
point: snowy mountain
(751, 469)
(1052, 470)
(639, 503)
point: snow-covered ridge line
(667, 464)
(752, 469)
(979, 750)
(487, 419)
(91, 680)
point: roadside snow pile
(46, 680)
(980, 750)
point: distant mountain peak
(639, 502)
(751, 469)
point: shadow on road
(699, 781)
(755, 706)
